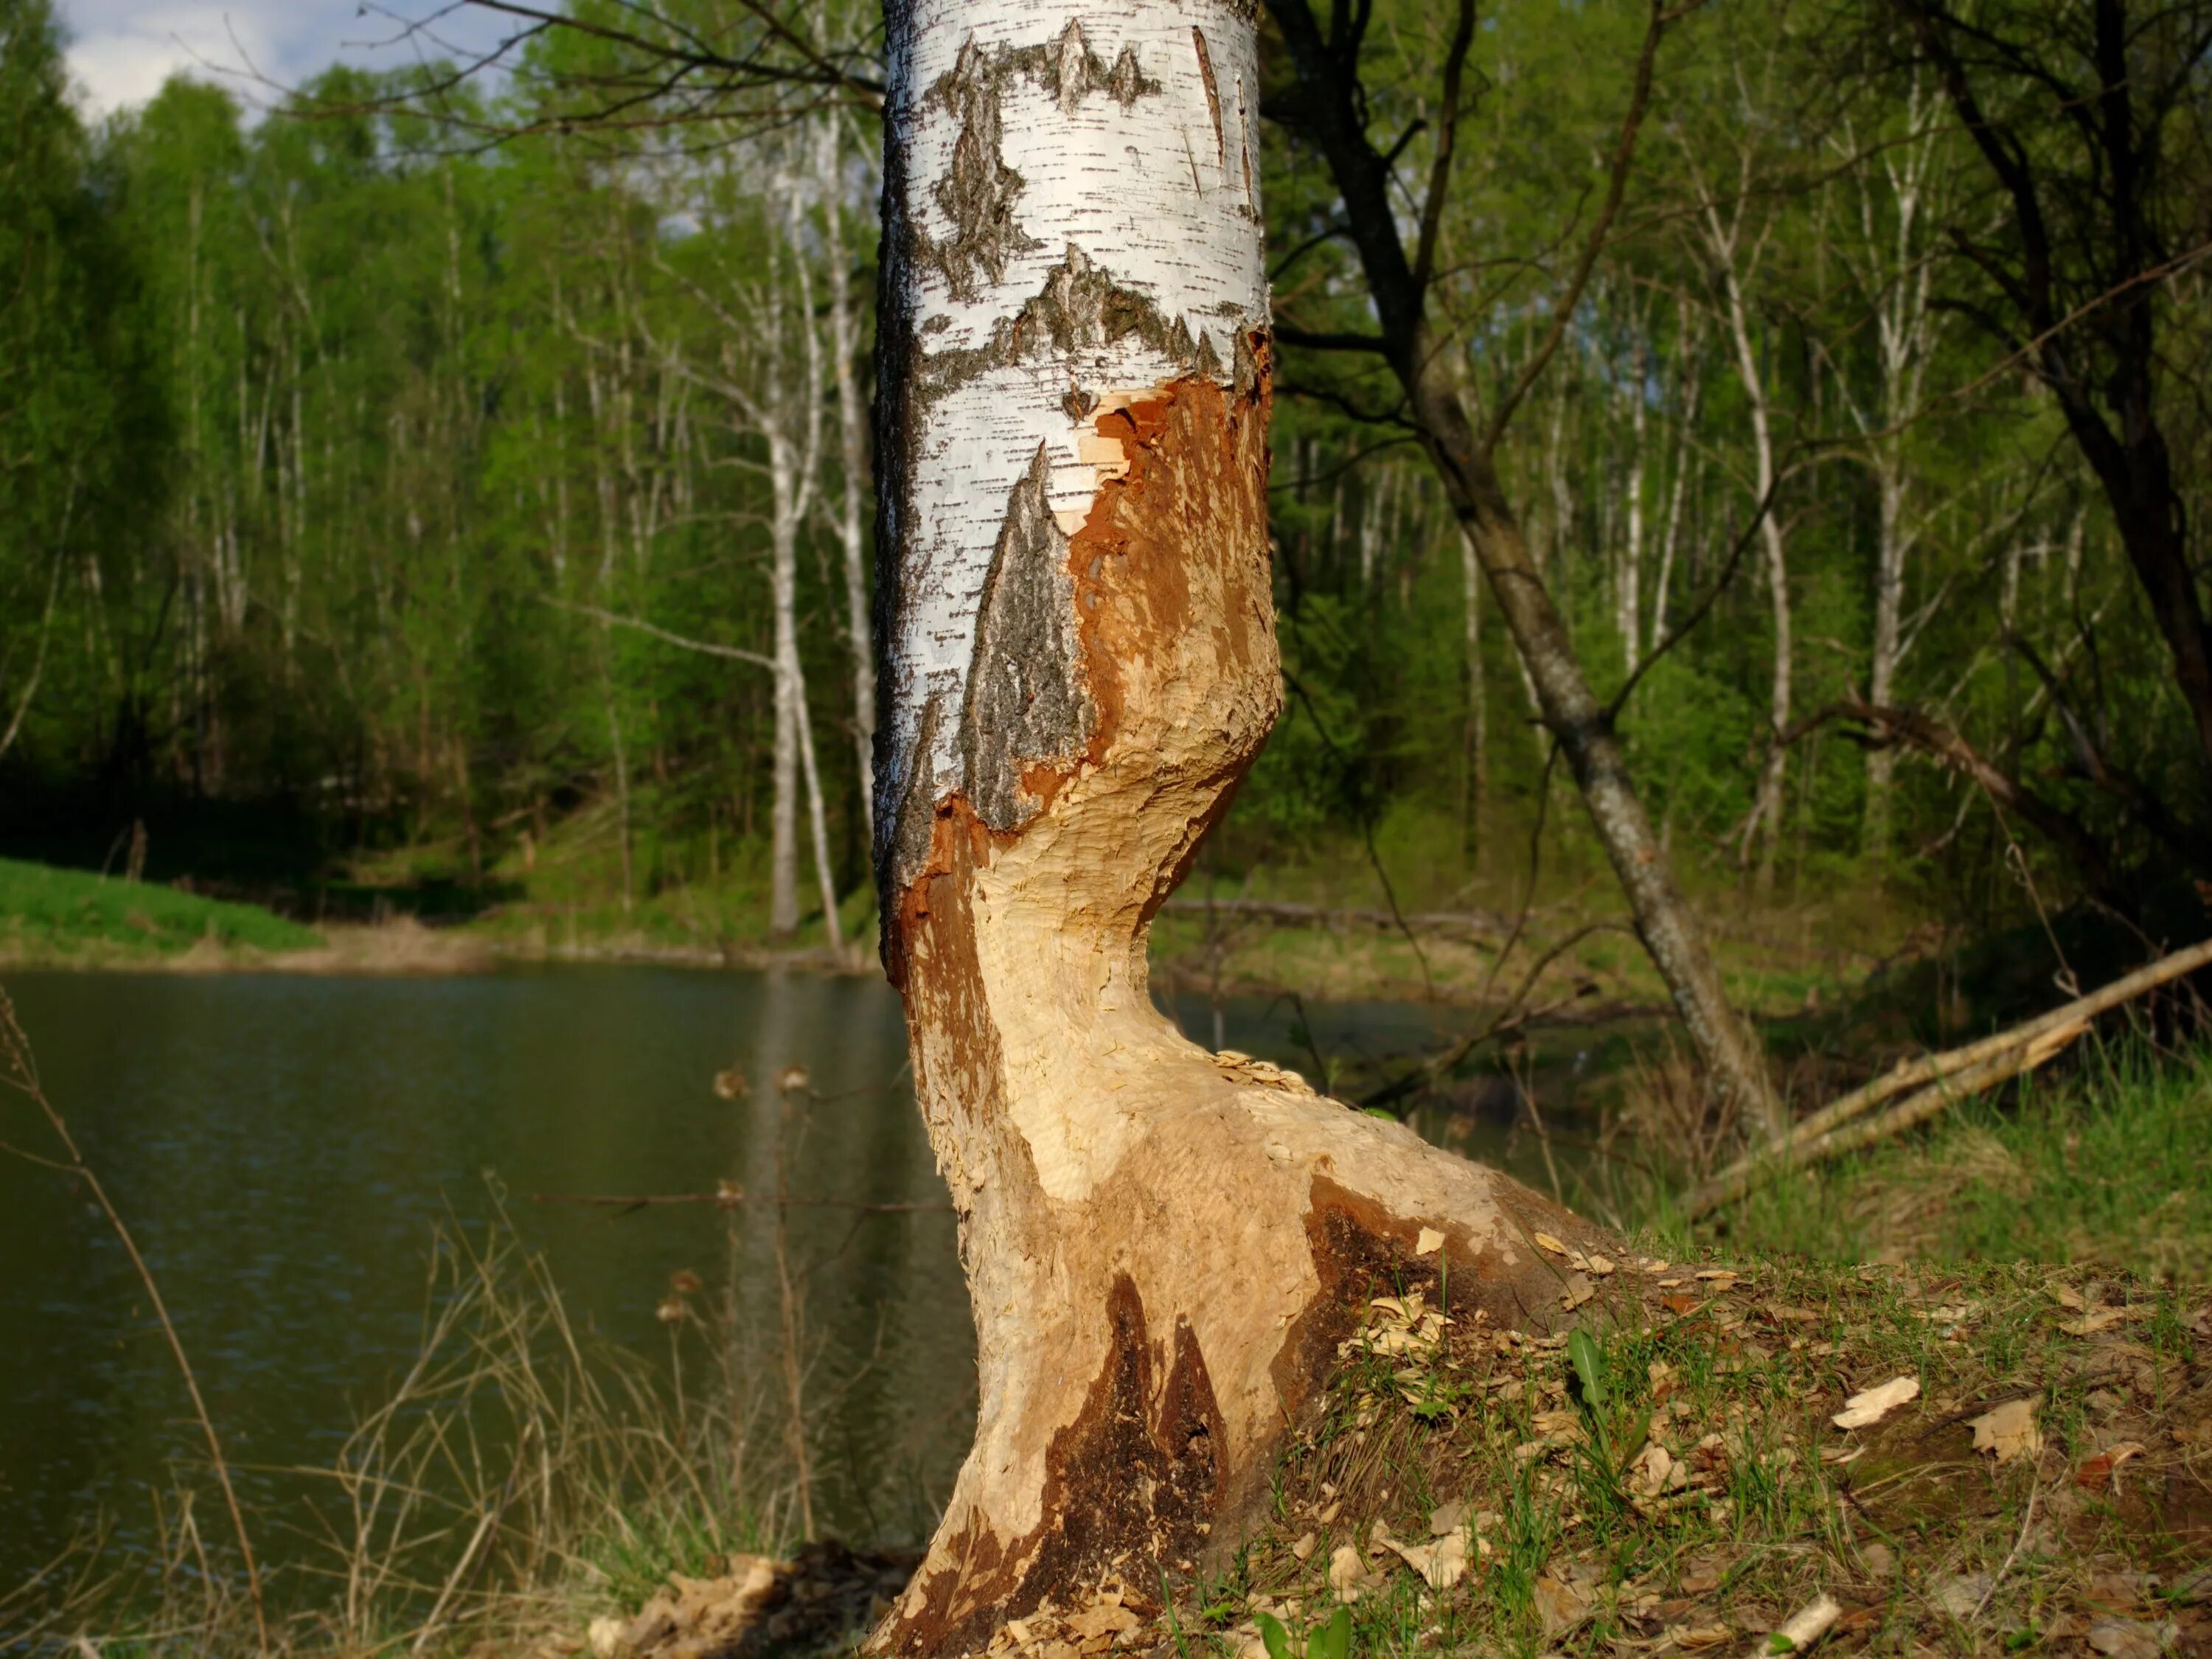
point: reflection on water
(283, 1146)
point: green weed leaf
(1589, 1366)
(1333, 1639)
(1273, 1635)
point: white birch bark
(1628, 601)
(1078, 659)
(1736, 259)
(1689, 338)
(790, 419)
(1892, 264)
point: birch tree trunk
(1627, 598)
(1077, 663)
(791, 423)
(1892, 264)
(1733, 264)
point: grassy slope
(2111, 1166)
(1930, 1545)
(71, 917)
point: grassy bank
(2109, 1166)
(1669, 1480)
(74, 918)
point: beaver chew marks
(1156, 1443)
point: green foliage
(314, 433)
(1330, 1639)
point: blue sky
(121, 51)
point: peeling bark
(1079, 663)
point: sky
(121, 51)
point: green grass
(72, 917)
(2111, 1166)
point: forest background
(395, 517)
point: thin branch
(1618, 170)
(706, 646)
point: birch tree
(1734, 248)
(1078, 659)
(1899, 202)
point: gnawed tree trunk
(1077, 664)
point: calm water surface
(283, 1148)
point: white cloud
(120, 52)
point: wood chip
(1806, 1626)
(1870, 1407)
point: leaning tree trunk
(1077, 664)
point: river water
(283, 1148)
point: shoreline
(408, 948)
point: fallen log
(1289, 913)
(1933, 1082)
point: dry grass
(517, 1481)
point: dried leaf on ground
(1442, 1563)
(1868, 1406)
(1429, 1243)
(2094, 1474)
(1961, 1595)
(2129, 1638)
(2008, 1431)
(1546, 1242)
(1561, 1602)
(2090, 1323)
(1344, 1572)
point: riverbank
(1683, 1488)
(52, 917)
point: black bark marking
(976, 194)
(1079, 307)
(911, 823)
(1026, 702)
(1213, 95)
(1069, 69)
(1128, 82)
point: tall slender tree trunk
(1677, 489)
(1884, 648)
(1477, 740)
(1079, 663)
(1628, 599)
(1734, 264)
(1334, 113)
